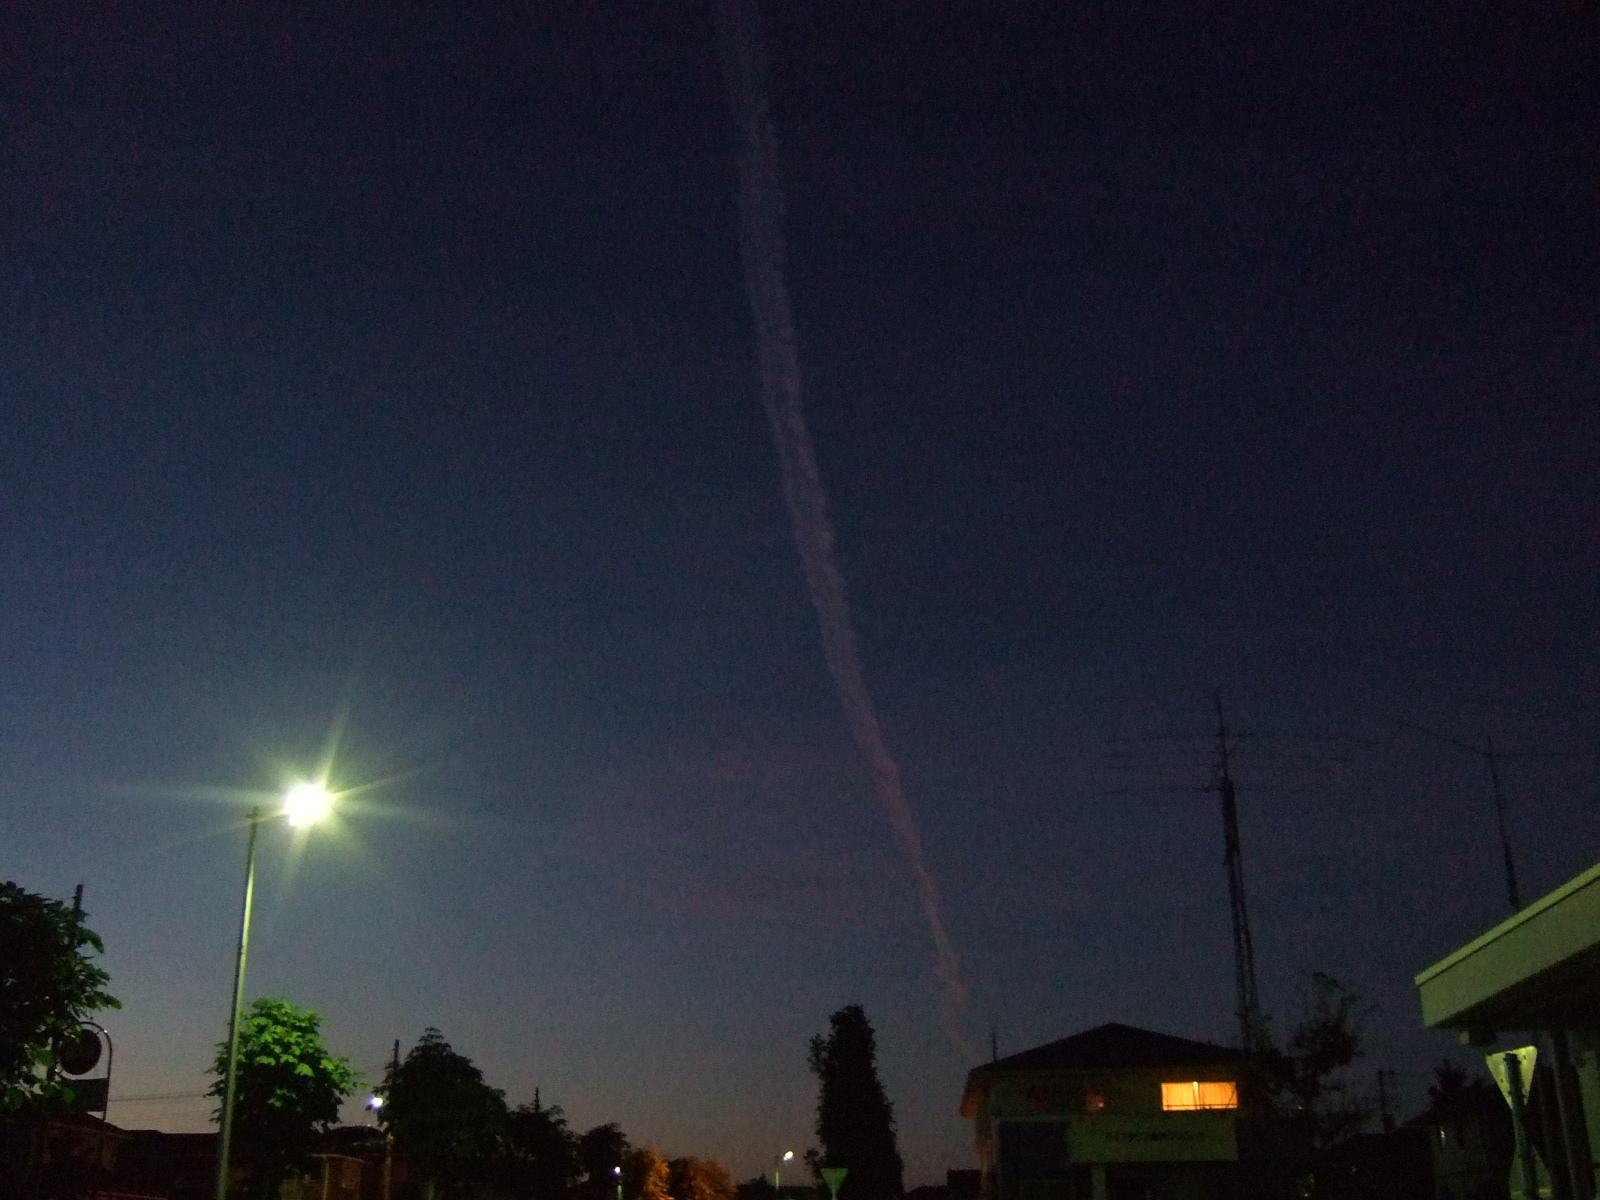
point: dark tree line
(460, 1137)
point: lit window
(1193, 1094)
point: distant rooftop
(1115, 1045)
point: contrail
(762, 248)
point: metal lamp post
(777, 1172)
(303, 805)
(375, 1104)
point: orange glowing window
(1192, 1095)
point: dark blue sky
(398, 363)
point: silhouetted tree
(1450, 1083)
(1310, 1108)
(48, 986)
(541, 1153)
(600, 1150)
(288, 1090)
(445, 1119)
(698, 1179)
(1468, 1109)
(855, 1121)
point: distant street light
(304, 804)
(777, 1171)
(617, 1171)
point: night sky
(384, 376)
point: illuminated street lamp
(303, 805)
(617, 1171)
(777, 1171)
(306, 804)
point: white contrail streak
(762, 247)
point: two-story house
(1114, 1113)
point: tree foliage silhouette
(48, 986)
(444, 1117)
(855, 1121)
(1450, 1083)
(599, 1151)
(289, 1089)
(1309, 1107)
(541, 1153)
(699, 1179)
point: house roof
(1105, 1047)
(160, 1142)
(88, 1121)
(1536, 969)
(1115, 1045)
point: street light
(617, 1171)
(375, 1103)
(306, 804)
(777, 1172)
(303, 805)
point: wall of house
(1126, 1090)
(1071, 1135)
(332, 1177)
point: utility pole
(388, 1134)
(1244, 955)
(1513, 892)
(1491, 760)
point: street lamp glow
(374, 1102)
(306, 804)
(787, 1155)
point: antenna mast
(1491, 760)
(1244, 955)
